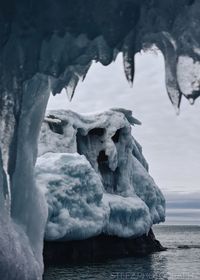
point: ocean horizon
(182, 216)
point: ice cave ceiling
(48, 45)
(60, 39)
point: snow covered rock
(74, 194)
(95, 177)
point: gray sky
(171, 143)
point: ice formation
(45, 47)
(22, 229)
(95, 177)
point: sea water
(181, 261)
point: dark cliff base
(99, 248)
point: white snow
(95, 177)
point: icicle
(86, 71)
(70, 88)
(128, 58)
(168, 48)
(188, 72)
(129, 67)
(104, 52)
(115, 54)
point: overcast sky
(171, 143)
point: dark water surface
(181, 261)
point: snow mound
(95, 177)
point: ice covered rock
(95, 177)
(74, 194)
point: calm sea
(181, 261)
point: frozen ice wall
(23, 210)
(95, 177)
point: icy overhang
(60, 39)
(95, 177)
